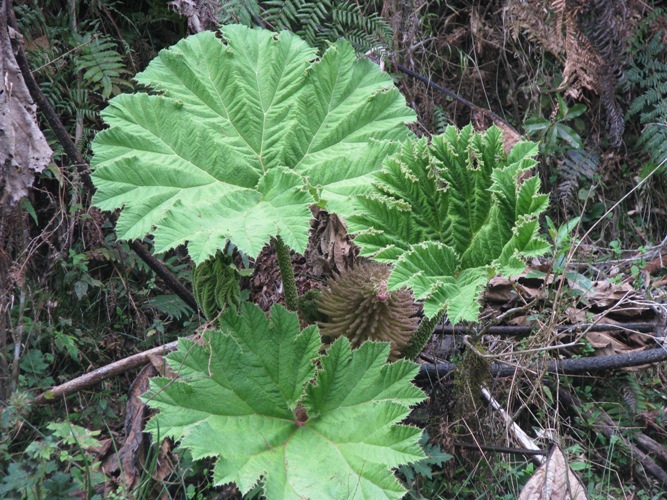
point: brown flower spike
(358, 306)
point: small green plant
(563, 246)
(421, 473)
(555, 134)
(563, 148)
(216, 285)
(40, 473)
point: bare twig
(455, 96)
(54, 394)
(578, 366)
(518, 433)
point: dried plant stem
(54, 394)
(287, 274)
(519, 434)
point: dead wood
(111, 370)
(527, 330)
(566, 367)
(575, 366)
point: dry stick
(518, 433)
(82, 167)
(578, 366)
(605, 425)
(499, 449)
(455, 96)
(527, 330)
(111, 370)
(566, 367)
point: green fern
(648, 75)
(320, 22)
(102, 66)
(77, 69)
(239, 12)
(450, 214)
(440, 120)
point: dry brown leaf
(510, 137)
(605, 294)
(554, 480)
(607, 343)
(618, 342)
(502, 290)
(575, 316)
(331, 250)
(620, 300)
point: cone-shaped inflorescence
(359, 306)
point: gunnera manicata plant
(358, 305)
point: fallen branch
(576, 366)
(527, 330)
(565, 367)
(111, 370)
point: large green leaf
(451, 213)
(240, 136)
(253, 397)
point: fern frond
(589, 37)
(239, 12)
(321, 22)
(575, 165)
(102, 66)
(649, 73)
